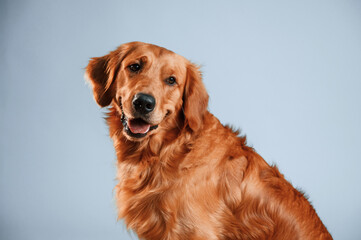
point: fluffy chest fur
(189, 187)
(162, 191)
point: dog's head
(148, 85)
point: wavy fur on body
(190, 177)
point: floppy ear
(195, 98)
(101, 73)
(97, 74)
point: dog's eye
(134, 67)
(171, 81)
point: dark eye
(171, 81)
(134, 67)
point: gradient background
(287, 73)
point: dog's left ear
(195, 98)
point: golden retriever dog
(182, 174)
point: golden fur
(191, 177)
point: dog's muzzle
(137, 127)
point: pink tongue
(138, 126)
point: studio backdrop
(287, 73)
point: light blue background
(287, 73)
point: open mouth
(136, 127)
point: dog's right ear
(101, 73)
(98, 74)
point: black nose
(143, 103)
